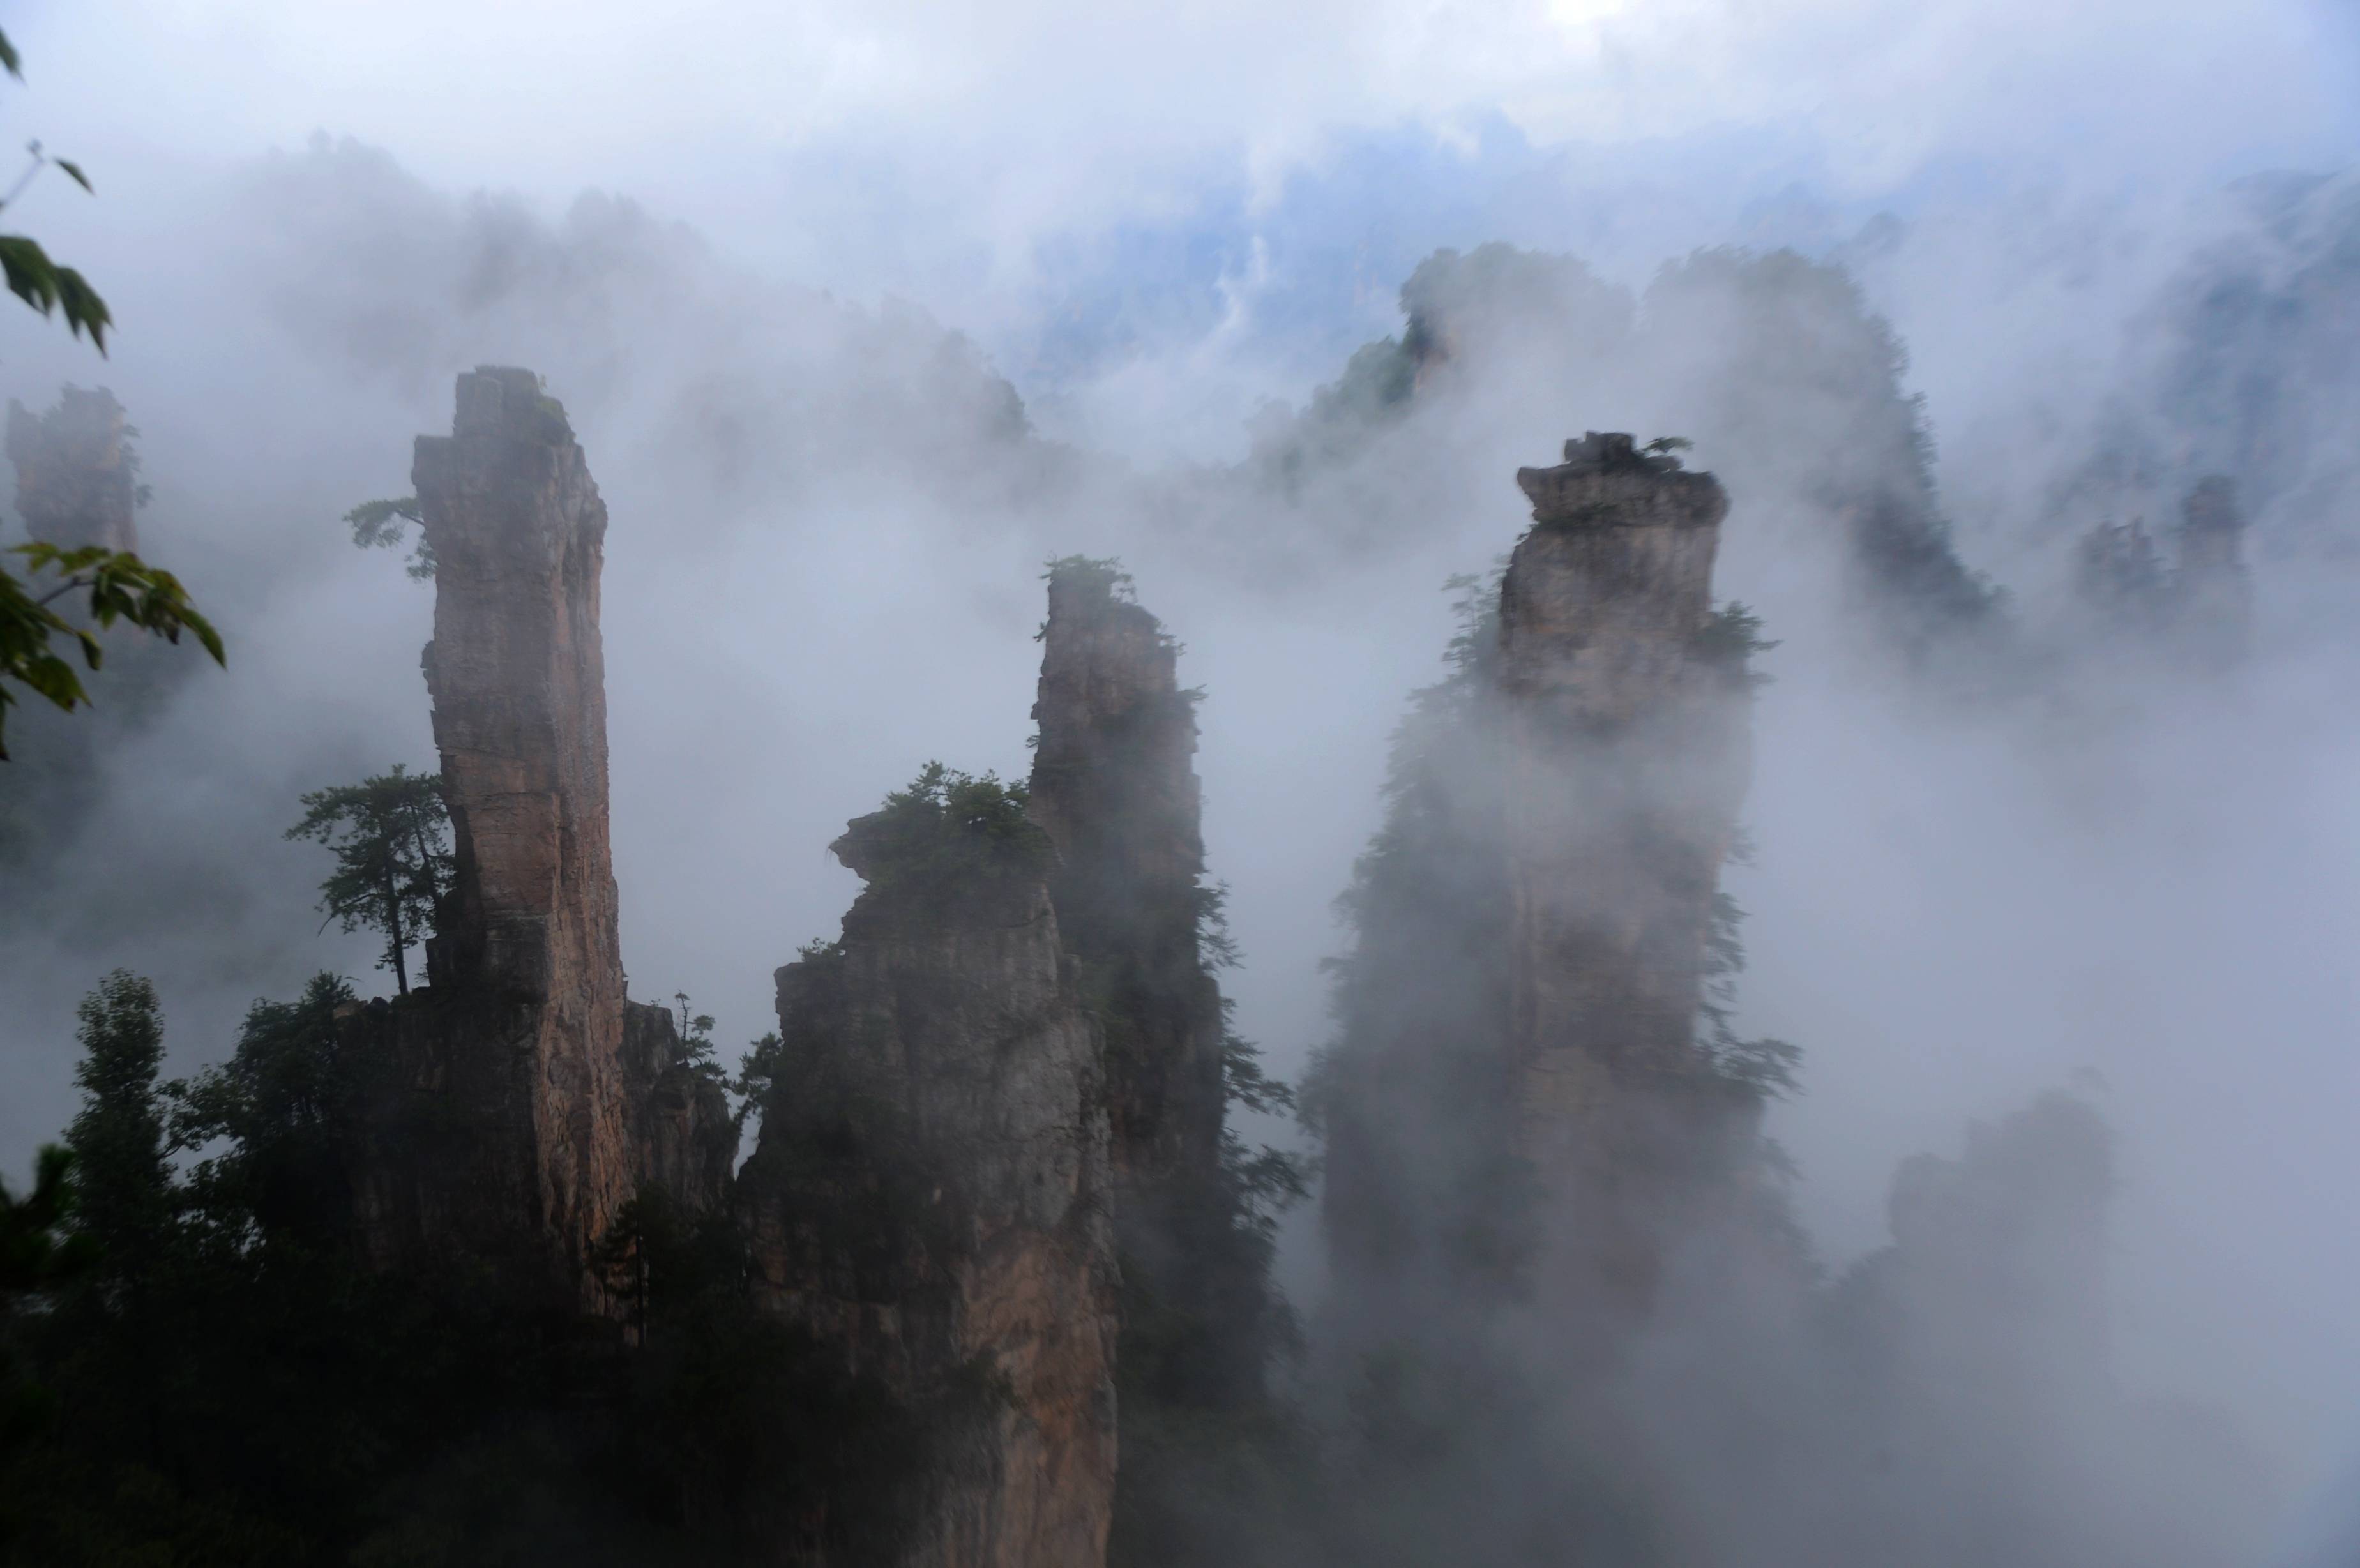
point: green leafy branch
(30, 273)
(119, 587)
(378, 525)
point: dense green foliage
(946, 832)
(114, 586)
(391, 835)
(195, 1367)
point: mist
(861, 320)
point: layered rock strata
(1627, 752)
(77, 477)
(930, 1203)
(527, 1098)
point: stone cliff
(1627, 752)
(930, 1196)
(77, 476)
(528, 1098)
(1115, 787)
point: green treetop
(392, 838)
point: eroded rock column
(930, 1201)
(1114, 784)
(528, 1099)
(1628, 751)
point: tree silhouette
(392, 838)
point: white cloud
(1027, 116)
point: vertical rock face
(930, 1201)
(77, 479)
(517, 674)
(1114, 785)
(530, 1098)
(1628, 750)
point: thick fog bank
(828, 524)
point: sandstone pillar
(528, 1099)
(930, 1201)
(1115, 787)
(1628, 751)
(77, 477)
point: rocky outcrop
(77, 476)
(1114, 785)
(1627, 750)
(528, 1099)
(929, 1199)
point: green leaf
(29, 274)
(33, 278)
(53, 678)
(82, 309)
(8, 58)
(73, 171)
(121, 587)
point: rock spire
(530, 1098)
(1627, 753)
(1115, 787)
(930, 1198)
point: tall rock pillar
(1628, 751)
(77, 477)
(531, 1098)
(1114, 785)
(929, 1200)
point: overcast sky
(1037, 172)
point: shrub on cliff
(942, 832)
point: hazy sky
(1232, 174)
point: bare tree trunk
(394, 944)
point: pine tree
(122, 1182)
(392, 838)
